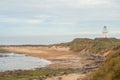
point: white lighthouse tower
(105, 32)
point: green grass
(36, 73)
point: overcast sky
(59, 17)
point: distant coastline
(23, 45)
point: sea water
(12, 61)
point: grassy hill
(95, 46)
(98, 45)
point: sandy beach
(61, 57)
(73, 76)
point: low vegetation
(33, 74)
(110, 70)
(3, 50)
(95, 46)
(98, 45)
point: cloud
(60, 14)
(20, 20)
(75, 33)
(83, 33)
(81, 8)
(38, 5)
(115, 32)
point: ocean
(36, 40)
(12, 61)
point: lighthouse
(105, 32)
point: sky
(59, 18)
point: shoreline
(64, 61)
(60, 57)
